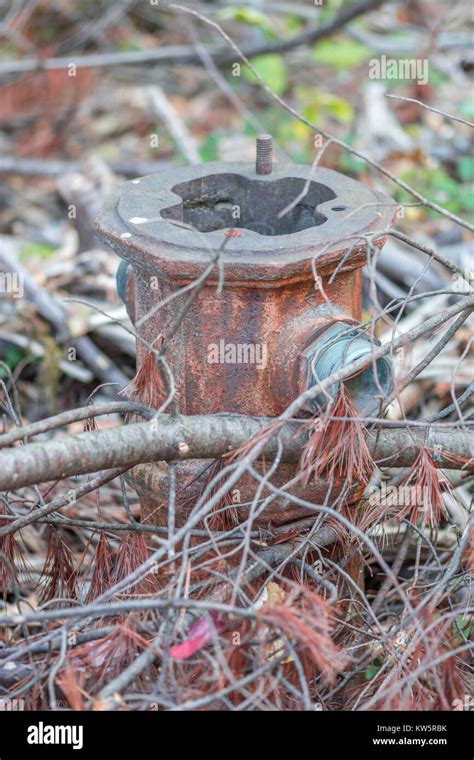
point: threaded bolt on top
(263, 164)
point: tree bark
(171, 438)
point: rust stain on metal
(241, 349)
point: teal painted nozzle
(337, 347)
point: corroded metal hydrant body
(276, 259)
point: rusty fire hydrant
(277, 254)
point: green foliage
(38, 250)
(352, 165)
(128, 46)
(466, 109)
(247, 16)
(436, 77)
(348, 163)
(465, 167)
(208, 150)
(293, 24)
(321, 105)
(328, 9)
(464, 627)
(438, 186)
(11, 357)
(342, 54)
(272, 69)
(373, 668)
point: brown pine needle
(337, 448)
(147, 385)
(425, 494)
(58, 572)
(101, 563)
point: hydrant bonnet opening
(221, 201)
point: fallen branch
(430, 108)
(69, 498)
(47, 167)
(50, 309)
(73, 415)
(183, 54)
(172, 438)
(163, 108)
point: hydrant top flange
(270, 227)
